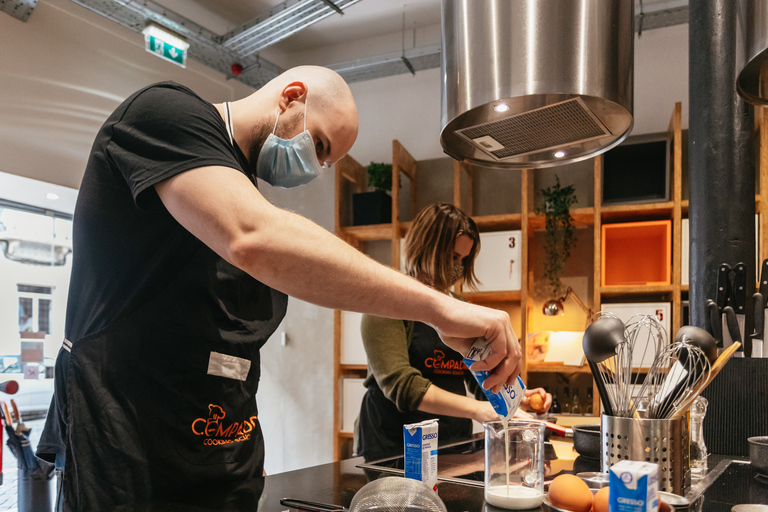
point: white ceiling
(342, 37)
(363, 20)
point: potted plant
(374, 207)
(561, 236)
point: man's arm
(288, 252)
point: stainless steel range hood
(530, 84)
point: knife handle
(723, 286)
(759, 311)
(764, 278)
(715, 321)
(733, 324)
(739, 293)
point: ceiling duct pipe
(752, 82)
(528, 84)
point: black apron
(381, 423)
(161, 409)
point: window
(34, 309)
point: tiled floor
(9, 487)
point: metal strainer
(396, 494)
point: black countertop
(730, 481)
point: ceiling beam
(279, 23)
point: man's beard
(262, 132)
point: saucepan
(758, 453)
(586, 441)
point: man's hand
(462, 323)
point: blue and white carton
(634, 486)
(421, 452)
(505, 402)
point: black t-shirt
(126, 245)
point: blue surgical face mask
(288, 163)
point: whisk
(679, 372)
(613, 348)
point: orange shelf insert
(636, 253)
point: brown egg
(601, 501)
(537, 402)
(570, 492)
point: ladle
(602, 337)
(600, 340)
(699, 337)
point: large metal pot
(758, 453)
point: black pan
(586, 440)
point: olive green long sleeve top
(386, 343)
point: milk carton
(506, 401)
(421, 452)
(634, 486)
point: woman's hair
(430, 242)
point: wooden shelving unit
(351, 176)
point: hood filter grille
(545, 128)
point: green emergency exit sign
(166, 50)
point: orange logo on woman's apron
(219, 432)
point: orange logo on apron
(216, 431)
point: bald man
(181, 273)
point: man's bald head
(331, 113)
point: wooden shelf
(615, 291)
(556, 368)
(498, 222)
(373, 232)
(500, 296)
(582, 217)
(353, 368)
(636, 212)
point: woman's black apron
(381, 423)
(161, 409)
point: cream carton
(634, 486)
(505, 402)
(421, 452)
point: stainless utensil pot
(663, 442)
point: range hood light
(560, 154)
(501, 107)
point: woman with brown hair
(412, 374)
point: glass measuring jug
(514, 463)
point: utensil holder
(662, 442)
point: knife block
(738, 406)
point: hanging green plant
(561, 235)
(380, 176)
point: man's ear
(290, 93)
